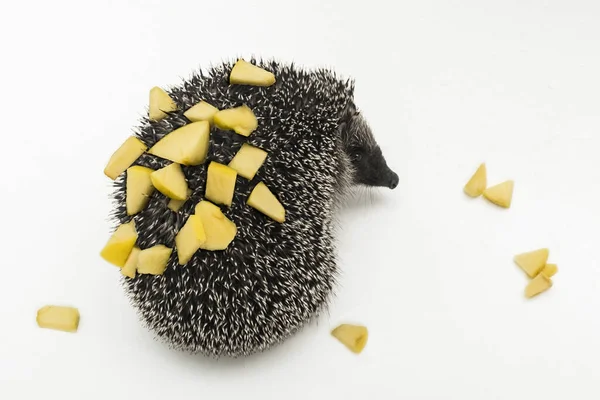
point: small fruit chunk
(220, 183)
(175, 205)
(131, 149)
(478, 182)
(245, 73)
(354, 337)
(160, 104)
(131, 265)
(263, 200)
(189, 239)
(139, 188)
(202, 111)
(532, 262)
(239, 119)
(220, 230)
(248, 160)
(153, 260)
(187, 145)
(117, 249)
(550, 270)
(501, 194)
(170, 181)
(537, 285)
(60, 318)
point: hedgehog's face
(369, 164)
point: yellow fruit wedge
(60, 318)
(240, 119)
(187, 145)
(124, 156)
(189, 239)
(478, 182)
(131, 264)
(550, 270)
(501, 194)
(263, 200)
(245, 73)
(170, 181)
(532, 262)
(220, 230)
(220, 183)
(139, 188)
(119, 245)
(354, 337)
(160, 104)
(537, 285)
(175, 205)
(248, 161)
(153, 260)
(202, 111)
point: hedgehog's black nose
(393, 180)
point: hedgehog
(273, 278)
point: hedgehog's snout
(393, 180)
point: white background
(445, 84)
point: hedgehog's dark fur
(273, 277)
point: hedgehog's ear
(350, 110)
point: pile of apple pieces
(535, 265)
(207, 228)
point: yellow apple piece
(219, 230)
(550, 270)
(263, 200)
(537, 285)
(245, 73)
(354, 337)
(248, 160)
(240, 119)
(187, 145)
(131, 149)
(153, 260)
(131, 264)
(220, 183)
(501, 194)
(60, 318)
(160, 104)
(203, 111)
(477, 183)
(189, 239)
(175, 205)
(139, 188)
(119, 245)
(532, 262)
(170, 181)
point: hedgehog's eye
(357, 152)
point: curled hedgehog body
(273, 278)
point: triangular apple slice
(240, 119)
(187, 145)
(153, 260)
(245, 73)
(550, 270)
(189, 239)
(160, 104)
(248, 160)
(263, 200)
(220, 230)
(127, 153)
(354, 337)
(537, 285)
(532, 262)
(202, 111)
(170, 181)
(139, 188)
(501, 194)
(478, 182)
(119, 245)
(220, 183)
